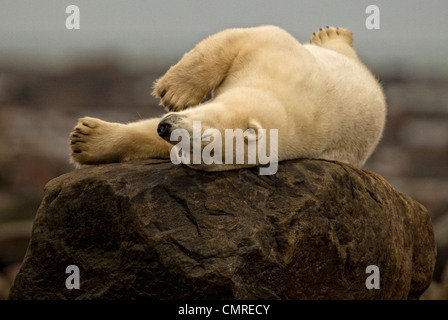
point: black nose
(163, 129)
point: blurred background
(50, 76)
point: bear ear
(254, 129)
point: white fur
(325, 103)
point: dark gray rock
(151, 229)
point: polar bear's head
(205, 135)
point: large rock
(155, 230)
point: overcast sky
(413, 34)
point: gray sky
(413, 34)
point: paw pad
(331, 33)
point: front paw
(185, 84)
(176, 96)
(91, 142)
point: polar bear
(319, 97)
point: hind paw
(323, 36)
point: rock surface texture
(150, 229)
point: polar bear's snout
(167, 125)
(164, 129)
